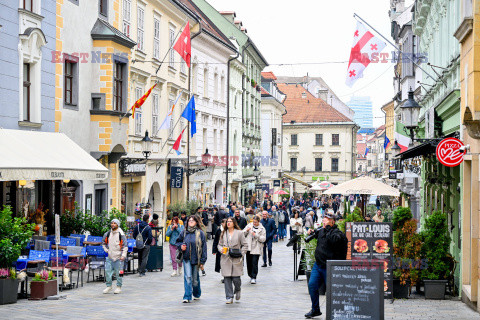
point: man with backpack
(143, 239)
(282, 223)
(332, 244)
(115, 245)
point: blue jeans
(191, 280)
(111, 267)
(317, 275)
(267, 249)
(282, 230)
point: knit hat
(117, 222)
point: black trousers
(143, 258)
(252, 264)
(267, 248)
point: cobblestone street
(159, 296)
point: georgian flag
(366, 47)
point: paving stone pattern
(159, 296)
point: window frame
(31, 5)
(27, 84)
(118, 97)
(127, 16)
(317, 166)
(138, 113)
(156, 38)
(155, 109)
(292, 162)
(171, 36)
(319, 139)
(140, 28)
(337, 135)
(103, 8)
(292, 140)
(337, 164)
(68, 76)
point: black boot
(270, 257)
(313, 313)
(264, 265)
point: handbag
(179, 255)
(233, 253)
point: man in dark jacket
(331, 245)
(271, 230)
(146, 232)
(242, 222)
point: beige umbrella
(364, 185)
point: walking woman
(255, 235)
(215, 245)
(173, 232)
(296, 223)
(233, 246)
(193, 244)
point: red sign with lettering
(448, 152)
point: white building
(272, 111)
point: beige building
(319, 141)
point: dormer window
(304, 95)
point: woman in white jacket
(296, 223)
(255, 234)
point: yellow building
(468, 34)
(388, 109)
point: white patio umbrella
(364, 186)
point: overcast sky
(314, 31)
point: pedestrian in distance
(378, 217)
(270, 230)
(115, 245)
(183, 218)
(143, 236)
(296, 224)
(331, 245)
(282, 223)
(193, 244)
(242, 222)
(233, 247)
(255, 235)
(377, 203)
(174, 230)
(309, 219)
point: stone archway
(155, 199)
(219, 192)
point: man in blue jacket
(271, 230)
(146, 232)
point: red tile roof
(361, 147)
(308, 109)
(264, 91)
(269, 75)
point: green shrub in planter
(15, 234)
(355, 216)
(400, 216)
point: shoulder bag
(233, 253)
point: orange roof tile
(308, 109)
(269, 75)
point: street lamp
(147, 145)
(410, 111)
(206, 158)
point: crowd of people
(241, 236)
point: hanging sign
(448, 152)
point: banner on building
(176, 177)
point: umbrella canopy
(317, 186)
(364, 185)
(280, 192)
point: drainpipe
(228, 123)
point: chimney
(304, 95)
(323, 94)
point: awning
(420, 150)
(364, 185)
(296, 180)
(33, 155)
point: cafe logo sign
(57, 174)
(448, 152)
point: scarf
(191, 229)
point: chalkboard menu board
(354, 292)
(372, 246)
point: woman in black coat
(215, 245)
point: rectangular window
(138, 113)
(68, 83)
(118, 86)
(318, 164)
(127, 4)
(215, 86)
(154, 114)
(335, 139)
(140, 27)
(222, 88)
(103, 7)
(205, 82)
(156, 38)
(215, 142)
(369, 163)
(334, 164)
(319, 139)
(293, 164)
(171, 36)
(26, 92)
(293, 141)
(28, 5)
(205, 136)
(170, 130)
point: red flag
(140, 101)
(176, 146)
(183, 45)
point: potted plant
(43, 285)
(435, 250)
(355, 216)
(8, 286)
(407, 245)
(252, 82)
(15, 234)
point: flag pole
(188, 139)
(356, 16)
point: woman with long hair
(255, 234)
(233, 246)
(193, 244)
(174, 230)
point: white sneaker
(174, 273)
(107, 290)
(186, 301)
(118, 290)
(253, 281)
(229, 301)
(195, 298)
(179, 271)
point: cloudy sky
(311, 34)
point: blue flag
(189, 114)
(366, 152)
(386, 143)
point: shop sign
(392, 175)
(448, 152)
(134, 169)
(258, 186)
(413, 165)
(176, 177)
(276, 183)
(320, 178)
(266, 187)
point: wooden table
(90, 243)
(54, 246)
